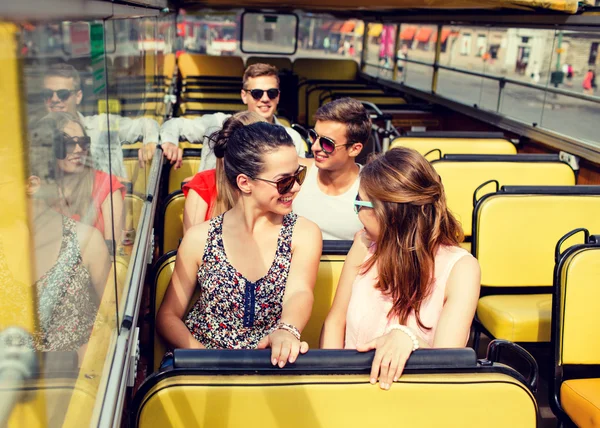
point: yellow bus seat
(462, 174)
(457, 145)
(133, 209)
(282, 63)
(189, 167)
(330, 269)
(163, 270)
(212, 107)
(193, 95)
(137, 176)
(575, 395)
(326, 69)
(321, 69)
(515, 231)
(169, 63)
(580, 399)
(173, 221)
(190, 145)
(215, 389)
(207, 65)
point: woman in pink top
(406, 283)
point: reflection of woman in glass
(86, 192)
(71, 260)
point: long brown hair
(410, 206)
(227, 195)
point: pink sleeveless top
(367, 316)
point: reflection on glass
(71, 259)
(459, 87)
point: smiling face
(54, 103)
(75, 161)
(342, 155)
(264, 106)
(277, 164)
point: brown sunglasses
(285, 184)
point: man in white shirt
(260, 92)
(329, 190)
(62, 93)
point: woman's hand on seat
(284, 347)
(391, 353)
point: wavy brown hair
(410, 206)
(226, 195)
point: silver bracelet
(289, 328)
(408, 332)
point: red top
(101, 189)
(205, 185)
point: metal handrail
(126, 343)
(502, 81)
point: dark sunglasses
(62, 94)
(358, 204)
(257, 94)
(327, 144)
(71, 143)
(285, 184)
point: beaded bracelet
(408, 332)
(289, 328)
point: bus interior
(500, 97)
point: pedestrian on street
(589, 82)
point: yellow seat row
(575, 389)
(515, 231)
(325, 388)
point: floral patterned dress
(233, 312)
(67, 301)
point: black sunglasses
(285, 184)
(71, 143)
(62, 94)
(257, 94)
(327, 144)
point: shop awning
(446, 32)
(408, 33)
(326, 25)
(424, 34)
(375, 30)
(348, 27)
(336, 27)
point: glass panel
(416, 75)
(268, 33)
(321, 36)
(574, 64)
(135, 108)
(73, 224)
(211, 34)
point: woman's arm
(116, 214)
(195, 210)
(95, 256)
(393, 349)
(298, 298)
(462, 295)
(169, 320)
(334, 328)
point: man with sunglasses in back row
(62, 93)
(329, 191)
(260, 92)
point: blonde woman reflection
(71, 259)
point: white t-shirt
(334, 215)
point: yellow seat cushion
(518, 318)
(580, 399)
